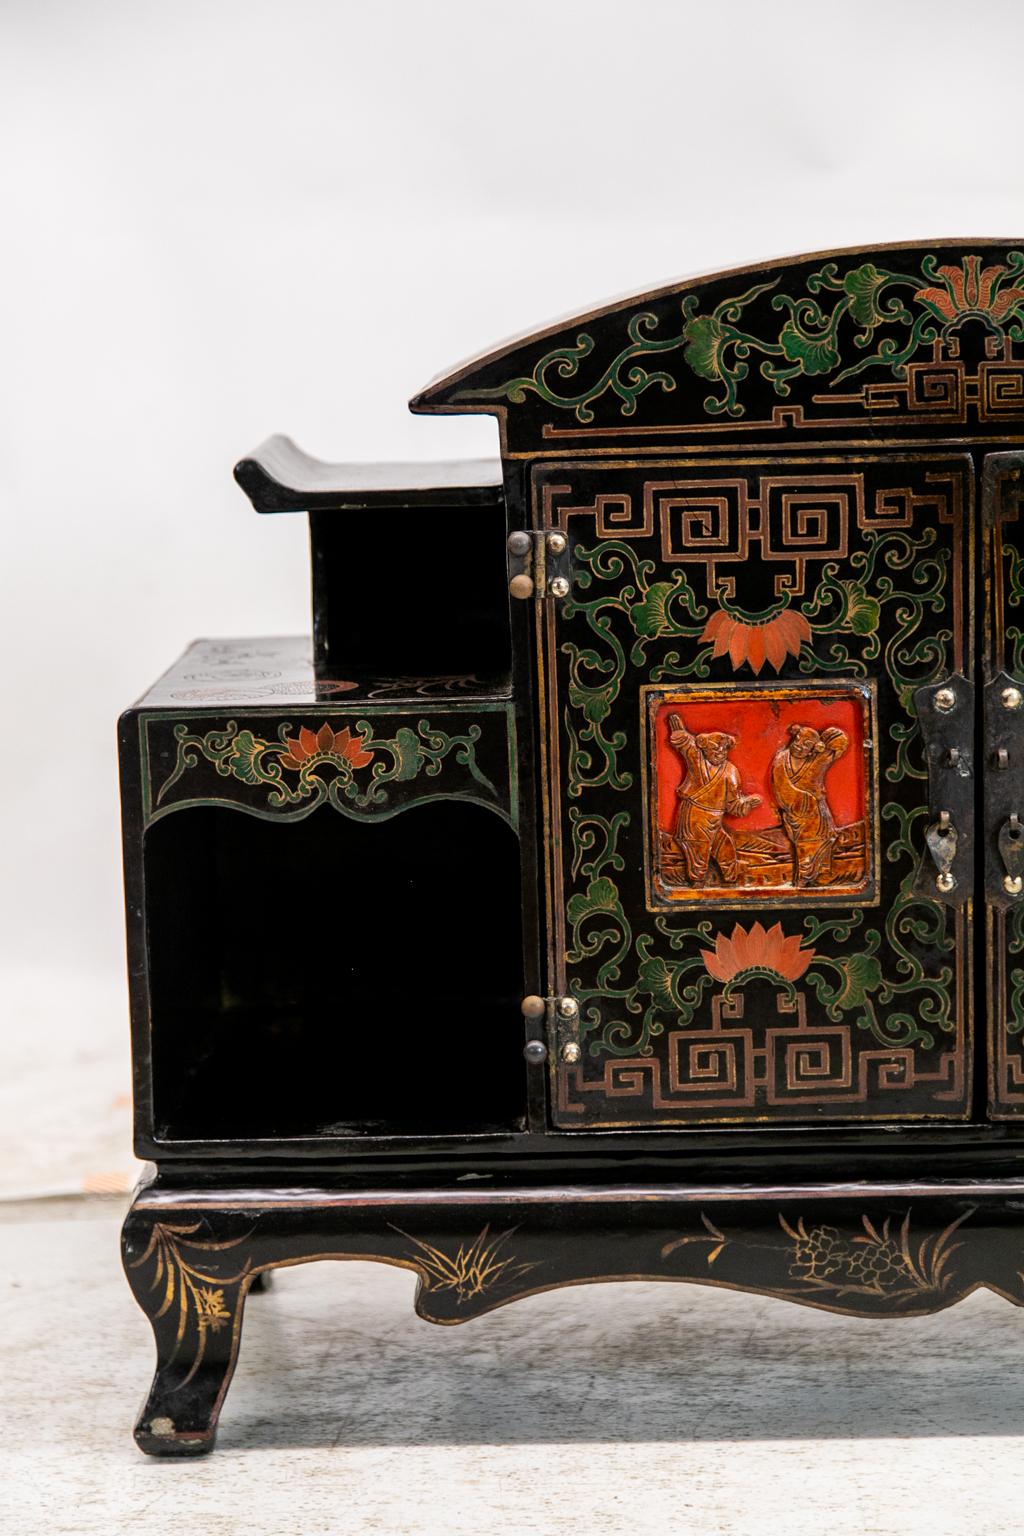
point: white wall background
(222, 218)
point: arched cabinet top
(913, 341)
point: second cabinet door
(1002, 808)
(737, 789)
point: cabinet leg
(192, 1288)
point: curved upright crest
(908, 336)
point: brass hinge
(562, 1018)
(538, 564)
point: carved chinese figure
(798, 786)
(759, 792)
(710, 790)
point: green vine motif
(668, 985)
(599, 900)
(855, 605)
(1014, 588)
(596, 676)
(292, 768)
(672, 989)
(859, 980)
(931, 994)
(411, 751)
(648, 605)
(835, 658)
(665, 983)
(840, 607)
(836, 926)
(864, 309)
(810, 339)
(586, 834)
(564, 362)
(1015, 1007)
(652, 617)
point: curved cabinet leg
(192, 1287)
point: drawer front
(366, 763)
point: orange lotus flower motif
(764, 640)
(970, 290)
(758, 949)
(324, 745)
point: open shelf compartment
(325, 977)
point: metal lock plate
(1004, 791)
(945, 712)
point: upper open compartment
(900, 340)
(408, 561)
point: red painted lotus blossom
(758, 949)
(770, 640)
(324, 745)
(970, 290)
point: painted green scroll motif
(824, 326)
(364, 767)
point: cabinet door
(737, 795)
(1003, 735)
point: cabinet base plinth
(868, 1250)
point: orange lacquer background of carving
(760, 727)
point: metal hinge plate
(561, 1016)
(538, 565)
(1004, 791)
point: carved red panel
(760, 792)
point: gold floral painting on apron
(760, 794)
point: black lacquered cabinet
(625, 877)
